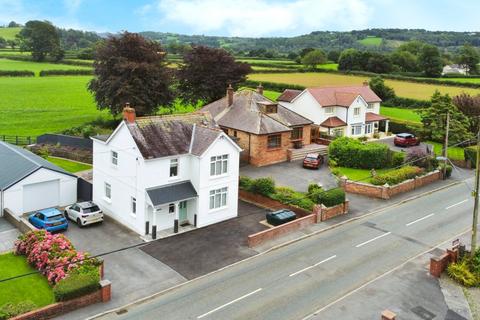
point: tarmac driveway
(389, 141)
(292, 174)
(200, 251)
(8, 235)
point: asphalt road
(299, 279)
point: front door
(182, 213)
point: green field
(9, 33)
(7, 64)
(400, 114)
(69, 165)
(266, 61)
(34, 288)
(405, 89)
(363, 175)
(371, 41)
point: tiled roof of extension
(333, 122)
(371, 117)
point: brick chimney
(129, 113)
(365, 83)
(229, 95)
(260, 89)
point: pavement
(203, 250)
(292, 174)
(8, 235)
(293, 281)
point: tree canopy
(377, 84)
(469, 58)
(430, 61)
(129, 68)
(314, 57)
(41, 39)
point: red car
(406, 140)
(312, 160)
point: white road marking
(229, 303)
(418, 220)
(315, 265)
(456, 204)
(376, 238)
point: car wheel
(79, 222)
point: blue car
(49, 219)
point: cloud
(72, 6)
(13, 10)
(260, 17)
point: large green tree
(430, 61)
(434, 120)
(377, 84)
(130, 68)
(404, 60)
(41, 38)
(206, 72)
(469, 106)
(469, 58)
(313, 58)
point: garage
(41, 195)
(29, 182)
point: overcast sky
(253, 18)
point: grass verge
(68, 165)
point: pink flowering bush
(52, 254)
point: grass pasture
(7, 64)
(400, 114)
(363, 175)
(405, 89)
(9, 33)
(371, 41)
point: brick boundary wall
(60, 308)
(386, 191)
(327, 213)
(440, 264)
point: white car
(84, 213)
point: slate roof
(163, 136)
(342, 96)
(171, 193)
(333, 122)
(288, 95)
(370, 117)
(245, 114)
(17, 163)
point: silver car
(84, 213)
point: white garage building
(29, 182)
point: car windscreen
(55, 217)
(91, 209)
(311, 158)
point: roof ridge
(20, 154)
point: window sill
(219, 176)
(217, 209)
(274, 149)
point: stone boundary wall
(386, 191)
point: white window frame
(133, 206)
(371, 106)
(368, 128)
(114, 157)
(329, 110)
(170, 206)
(174, 163)
(219, 165)
(356, 111)
(354, 127)
(218, 198)
(108, 191)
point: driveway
(389, 141)
(292, 174)
(8, 235)
(207, 249)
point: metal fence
(18, 140)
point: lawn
(400, 114)
(70, 166)
(454, 153)
(363, 175)
(7, 64)
(402, 88)
(371, 41)
(33, 287)
(9, 33)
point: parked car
(279, 217)
(313, 160)
(406, 140)
(84, 213)
(49, 219)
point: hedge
(77, 284)
(397, 176)
(10, 310)
(470, 154)
(289, 196)
(328, 198)
(16, 73)
(396, 126)
(82, 72)
(352, 153)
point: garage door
(41, 195)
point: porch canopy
(171, 193)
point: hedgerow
(397, 176)
(16, 73)
(352, 153)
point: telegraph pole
(475, 194)
(445, 147)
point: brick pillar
(388, 315)
(106, 289)
(317, 210)
(453, 255)
(101, 269)
(385, 191)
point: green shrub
(398, 158)
(245, 183)
(461, 273)
(314, 187)
(74, 72)
(470, 154)
(396, 176)
(352, 153)
(10, 310)
(332, 163)
(363, 138)
(16, 73)
(332, 197)
(289, 196)
(263, 186)
(449, 169)
(77, 283)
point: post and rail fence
(18, 140)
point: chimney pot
(129, 114)
(229, 95)
(260, 89)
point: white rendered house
(338, 111)
(157, 173)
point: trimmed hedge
(328, 198)
(398, 159)
(397, 176)
(470, 154)
(263, 186)
(77, 284)
(349, 152)
(16, 73)
(289, 196)
(75, 72)
(406, 103)
(10, 310)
